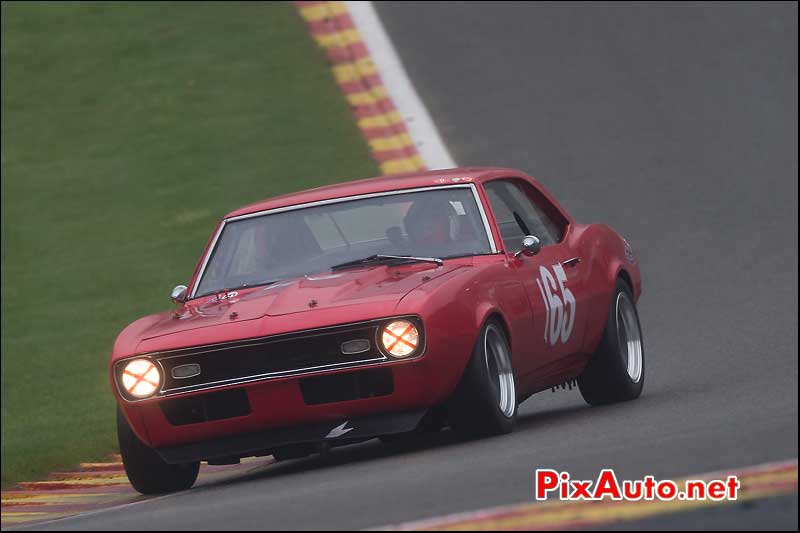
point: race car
(387, 307)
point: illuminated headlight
(141, 378)
(400, 338)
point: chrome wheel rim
(498, 364)
(629, 337)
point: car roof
(429, 178)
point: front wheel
(146, 471)
(616, 371)
(485, 401)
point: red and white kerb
(400, 338)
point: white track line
(418, 121)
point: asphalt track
(678, 126)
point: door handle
(571, 262)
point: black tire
(481, 405)
(612, 374)
(147, 472)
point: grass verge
(128, 129)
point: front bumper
(299, 401)
(263, 442)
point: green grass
(128, 129)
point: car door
(553, 277)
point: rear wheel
(146, 471)
(485, 401)
(616, 370)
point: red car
(384, 307)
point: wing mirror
(179, 294)
(530, 246)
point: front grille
(282, 355)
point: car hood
(305, 294)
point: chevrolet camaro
(387, 307)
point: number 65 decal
(557, 325)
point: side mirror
(530, 246)
(179, 294)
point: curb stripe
(384, 120)
(419, 123)
(30, 497)
(370, 97)
(761, 481)
(330, 39)
(314, 11)
(354, 70)
(405, 164)
(70, 484)
(357, 76)
(91, 474)
(94, 487)
(102, 467)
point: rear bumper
(261, 443)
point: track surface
(678, 126)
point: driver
(283, 241)
(429, 222)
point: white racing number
(559, 303)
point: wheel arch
(626, 277)
(485, 313)
(497, 316)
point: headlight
(400, 338)
(141, 378)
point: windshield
(253, 251)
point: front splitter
(334, 433)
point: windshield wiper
(380, 258)
(469, 254)
(247, 285)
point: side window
(514, 204)
(510, 231)
(551, 222)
